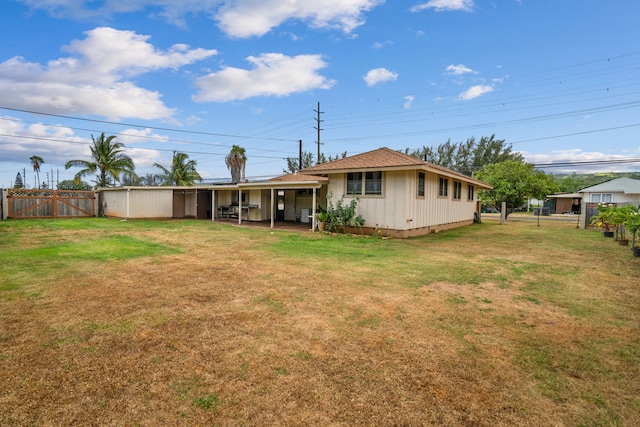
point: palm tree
(107, 158)
(236, 161)
(182, 172)
(36, 161)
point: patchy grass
(200, 323)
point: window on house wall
(601, 198)
(354, 183)
(457, 190)
(443, 188)
(368, 183)
(472, 191)
(420, 184)
(373, 183)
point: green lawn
(201, 323)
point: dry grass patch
(195, 323)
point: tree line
(110, 165)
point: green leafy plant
(604, 217)
(632, 225)
(342, 215)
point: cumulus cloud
(94, 78)
(237, 18)
(57, 144)
(577, 155)
(475, 91)
(379, 75)
(458, 70)
(445, 5)
(272, 74)
(408, 101)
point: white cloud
(248, 18)
(475, 91)
(273, 74)
(237, 18)
(380, 45)
(445, 5)
(58, 144)
(578, 155)
(408, 101)
(93, 80)
(379, 75)
(459, 69)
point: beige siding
(150, 204)
(116, 203)
(400, 208)
(618, 197)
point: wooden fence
(24, 203)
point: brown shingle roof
(376, 159)
(385, 158)
(298, 177)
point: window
(472, 191)
(354, 183)
(457, 190)
(420, 184)
(370, 182)
(601, 198)
(373, 183)
(443, 189)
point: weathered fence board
(24, 203)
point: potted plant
(603, 219)
(633, 227)
(619, 218)
(322, 218)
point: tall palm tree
(107, 158)
(236, 161)
(36, 161)
(182, 172)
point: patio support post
(273, 193)
(213, 205)
(313, 211)
(239, 206)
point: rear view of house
(400, 195)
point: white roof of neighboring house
(565, 196)
(618, 185)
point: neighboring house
(564, 203)
(398, 195)
(618, 191)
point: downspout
(128, 201)
(213, 205)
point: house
(618, 191)
(564, 203)
(398, 195)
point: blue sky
(560, 80)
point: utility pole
(300, 155)
(318, 121)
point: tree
(236, 161)
(470, 156)
(107, 159)
(150, 180)
(293, 163)
(182, 171)
(18, 183)
(514, 182)
(70, 184)
(36, 161)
